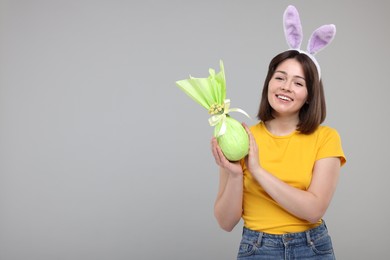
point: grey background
(103, 157)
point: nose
(286, 86)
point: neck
(282, 126)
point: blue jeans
(311, 244)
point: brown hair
(313, 112)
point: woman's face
(287, 91)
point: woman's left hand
(252, 159)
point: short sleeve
(330, 145)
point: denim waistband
(291, 239)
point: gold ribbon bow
(221, 117)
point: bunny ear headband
(319, 39)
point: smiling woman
(292, 74)
(285, 184)
(287, 91)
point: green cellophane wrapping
(209, 92)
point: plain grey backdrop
(103, 157)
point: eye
(299, 84)
(278, 78)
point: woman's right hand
(233, 168)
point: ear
(292, 27)
(320, 38)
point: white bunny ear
(320, 38)
(292, 27)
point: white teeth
(284, 98)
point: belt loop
(323, 222)
(308, 238)
(259, 238)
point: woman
(284, 186)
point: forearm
(301, 203)
(228, 206)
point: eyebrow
(285, 73)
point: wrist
(236, 175)
(256, 171)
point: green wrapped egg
(210, 93)
(234, 142)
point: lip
(286, 97)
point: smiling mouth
(285, 98)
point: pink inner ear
(292, 27)
(321, 37)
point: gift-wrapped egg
(234, 142)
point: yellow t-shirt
(291, 158)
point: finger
(222, 158)
(246, 128)
(252, 141)
(250, 136)
(214, 150)
(212, 142)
